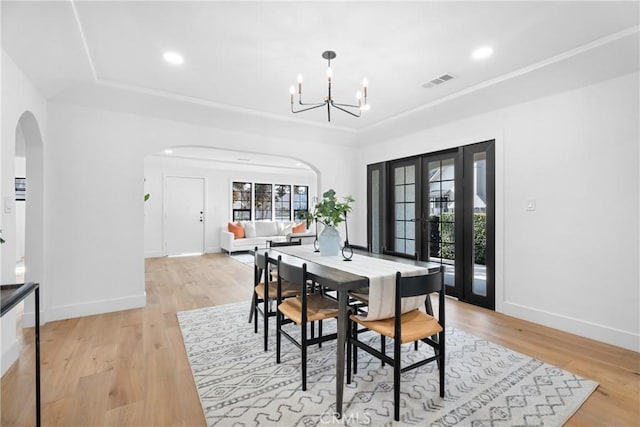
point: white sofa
(257, 233)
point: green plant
(442, 236)
(305, 215)
(146, 197)
(330, 211)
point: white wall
(573, 263)
(18, 96)
(95, 179)
(218, 178)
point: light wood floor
(130, 368)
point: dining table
(362, 270)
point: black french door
(458, 220)
(440, 206)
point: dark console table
(10, 296)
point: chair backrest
(292, 242)
(413, 256)
(424, 284)
(292, 273)
(296, 276)
(260, 265)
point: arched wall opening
(218, 168)
(22, 228)
(29, 130)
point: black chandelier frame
(328, 101)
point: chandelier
(353, 109)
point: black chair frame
(406, 287)
(299, 276)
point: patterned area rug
(486, 384)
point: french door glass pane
(479, 284)
(441, 174)
(410, 174)
(448, 170)
(410, 193)
(404, 192)
(375, 210)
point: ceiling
(240, 58)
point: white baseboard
(153, 254)
(594, 331)
(90, 308)
(9, 356)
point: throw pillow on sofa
(249, 230)
(266, 228)
(299, 228)
(236, 229)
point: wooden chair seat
(288, 290)
(318, 308)
(416, 325)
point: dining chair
(265, 291)
(305, 308)
(405, 328)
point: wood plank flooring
(129, 368)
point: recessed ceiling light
(482, 52)
(173, 58)
(168, 151)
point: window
(282, 198)
(241, 201)
(262, 201)
(300, 201)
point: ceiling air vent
(439, 80)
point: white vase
(329, 241)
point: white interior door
(184, 215)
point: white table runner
(380, 272)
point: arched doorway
(30, 148)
